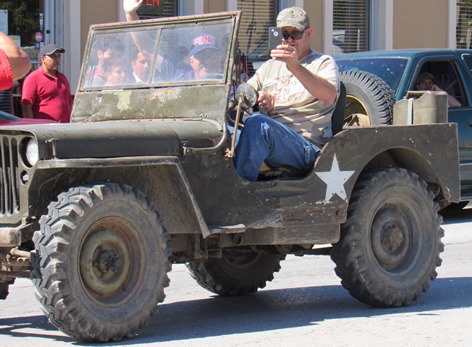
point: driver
(427, 82)
(297, 89)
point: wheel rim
(392, 238)
(109, 258)
(357, 107)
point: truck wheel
(100, 262)
(368, 97)
(391, 242)
(237, 272)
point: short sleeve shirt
(6, 75)
(294, 105)
(49, 96)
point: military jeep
(96, 211)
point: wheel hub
(104, 263)
(108, 262)
(390, 238)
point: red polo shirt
(49, 96)
(6, 75)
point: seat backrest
(337, 120)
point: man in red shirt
(14, 63)
(46, 91)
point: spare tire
(368, 97)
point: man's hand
(131, 6)
(266, 102)
(287, 54)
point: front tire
(391, 242)
(101, 262)
(238, 272)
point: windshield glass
(389, 69)
(154, 56)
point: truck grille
(9, 185)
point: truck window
(445, 77)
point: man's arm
(28, 96)
(317, 86)
(18, 59)
(451, 100)
(27, 110)
(130, 7)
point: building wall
(411, 24)
(315, 11)
(215, 6)
(420, 24)
(97, 12)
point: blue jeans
(266, 140)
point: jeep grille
(9, 185)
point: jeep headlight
(32, 152)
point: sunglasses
(295, 35)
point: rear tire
(390, 244)
(238, 272)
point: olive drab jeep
(96, 211)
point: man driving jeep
(298, 89)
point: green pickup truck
(400, 69)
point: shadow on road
(286, 308)
(265, 311)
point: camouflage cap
(294, 17)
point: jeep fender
(413, 147)
(161, 179)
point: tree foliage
(23, 19)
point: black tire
(369, 95)
(391, 242)
(238, 272)
(100, 262)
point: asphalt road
(304, 305)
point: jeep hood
(126, 138)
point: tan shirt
(294, 105)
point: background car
(10, 119)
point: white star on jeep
(335, 180)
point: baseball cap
(425, 75)
(201, 42)
(50, 48)
(294, 17)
